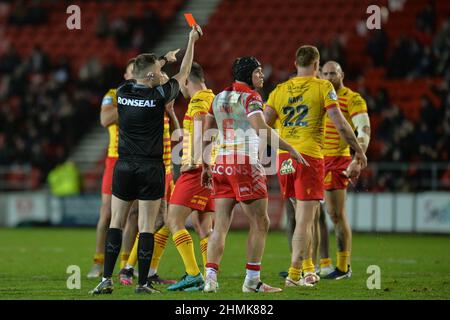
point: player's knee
(172, 223)
(263, 223)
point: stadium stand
(51, 78)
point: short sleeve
(329, 95)
(253, 104)
(199, 106)
(171, 89)
(357, 105)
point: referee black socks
(112, 250)
(145, 253)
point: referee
(139, 172)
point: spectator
(101, 25)
(426, 19)
(9, 60)
(377, 47)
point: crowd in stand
(45, 106)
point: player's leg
(129, 234)
(289, 207)
(183, 241)
(202, 223)
(148, 210)
(289, 211)
(256, 212)
(316, 238)
(102, 228)
(113, 241)
(326, 265)
(301, 261)
(335, 200)
(216, 243)
(161, 236)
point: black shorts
(141, 180)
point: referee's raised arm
(186, 64)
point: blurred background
(52, 81)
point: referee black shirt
(141, 119)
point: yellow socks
(203, 249)
(325, 263)
(99, 258)
(132, 259)
(308, 266)
(343, 260)
(124, 259)
(294, 273)
(161, 237)
(183, 242)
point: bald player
(340, 168)
(301, 105)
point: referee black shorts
(138, 179)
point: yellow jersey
(351, 103)
(110, 98)
(300, 104)
(167, 153)
(199, 104)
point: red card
(190, 19)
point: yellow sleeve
(199, 106)
(329, 95)
(357, 105)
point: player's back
(231, 109)
(199, 104)
(141, 118)
(301, 104)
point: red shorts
(334, 178)
(242, 182)
(306, 183)
(189, 192)
(169, 186)
(110, 162)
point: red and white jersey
(231, 109)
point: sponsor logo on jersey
(136, 102)
(287, 167)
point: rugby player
(189, 195)
(339, 165)
(237, 175)
(300, 105)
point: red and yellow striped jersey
(300, 104)
(199, 104)
(351, 103)
(167, 155)
(110, 98)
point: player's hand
(298, 157)
(353, 171)
(195, 33)
(206, 177)
(171, 55)
(361, 158)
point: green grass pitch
(34, 263)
